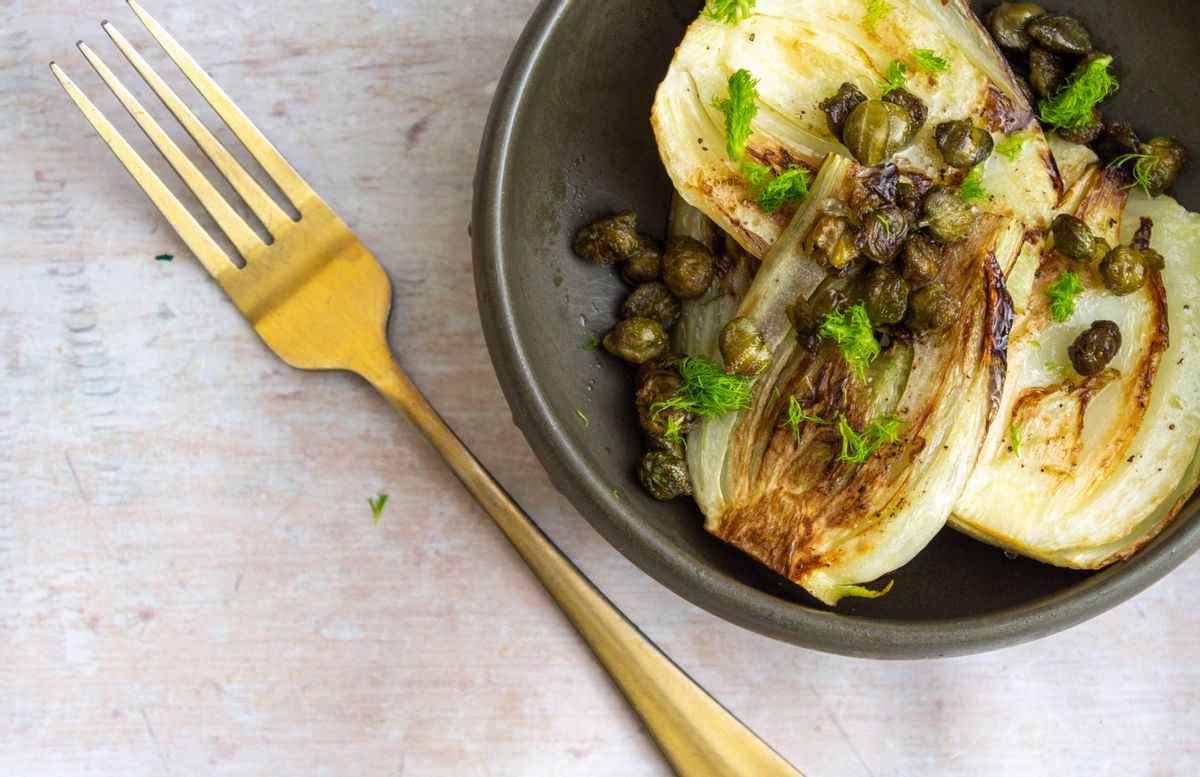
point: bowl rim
(640, 542)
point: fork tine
(227, 219)
(199, 241)
(284, 175)
(265, 208)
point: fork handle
(698, 736)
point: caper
(1095, 347)
(875, 130)
(883, 234)
(1153, 260)
(921, 262)
(1060, 33)
(908, 199)
(609, 240)
(662, 384)
(1007, 23)
(1025, 87)
(636, 340)
(1171, 158)
(652, 300)
(1117, 140)
(664, 476)
(913, 105)
(948, 218)
(886, 296)
(743, 348)
(838, 107)
(1047, 73)
(644, 265)
(1085, 133)
(1123, 270)
(1073, 238)
(963, 144)
(807, 315)
(831, 241)
(687, 267)
(672, 445)
(932, 309)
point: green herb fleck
(774, 191)
(707, 390)
(583, 418)
(887, 225)
(852, 332)
(616, 494)
(377, 505)
(876, 10)
(896, 77)
(797, 418)
(1036, 344)
(674, 431)
(1062, 294)
(163, 258)
(1014, 438)
(1055, 369)
(857, 448)
(592, 344)
(739, 108)
(728, 11)
(1010, 148)
(972, 186)
(861, 592)
(1071, 107)
(1145, 166)
(930, 62)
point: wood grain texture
(191, 581)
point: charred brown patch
(999, 114)
(1054, 440)
(1145, 230)
(998, 320)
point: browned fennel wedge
(779, 492)
(801, 51)
(1082, 472)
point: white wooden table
(191, 582)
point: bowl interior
(569, 140)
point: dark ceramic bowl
(569, 140)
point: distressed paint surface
(191, 579)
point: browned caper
(883, 234)
(838, 107)
(1168, 159)
(963, 144)
(636, 340)
(913, 105)
(609, 240)
(949, 219)
(1123, 270)
(1007, 23)
(932, 309)
(652, 300)
(886, 296)
(1085, 133)
(1073, 238)
(664, 475)
(1060, 33)
(658, 386)
(875, 130)
(644, 265)
(743, 348)
(687, 267)
(1095, 348)
(1047, 72)
(921, 262)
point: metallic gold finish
(320, 300)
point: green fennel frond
(1145, 167)
(972, 186)
(1010, 148)
(728, 11)
(930, 62)
(674, 430)
(895, 79)
(797, 418)
(858, 447)
(707, 390)
(1062, 294)
(773, 191)
(876, 10)
(1072, 106)
(583, 418)
(740, 107)
(592, 344)
(852, 332)
(1014, 438)
(377, 504)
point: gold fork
(320, 300)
